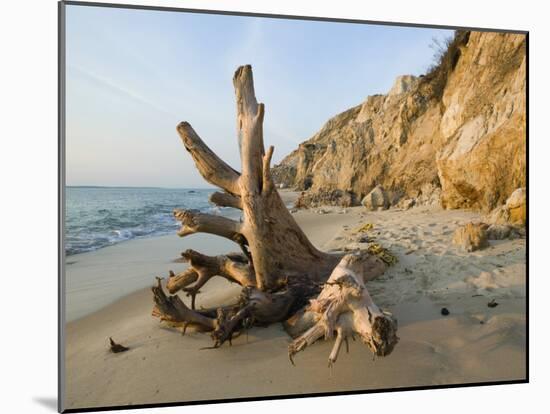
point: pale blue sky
(133, 75)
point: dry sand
(474, 343)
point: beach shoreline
(93, 279)
(466, 346)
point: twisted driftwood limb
(279, 269)
(344, 308)
(226, 200)
(193, 221)
(181, 280)
(211, 167)
(234, 267)
(173, 310)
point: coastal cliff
(455, 136)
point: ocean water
(97, 217)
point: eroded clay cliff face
(484, 126)
(458, 133)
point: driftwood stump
(284, 277)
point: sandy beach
(467, 346)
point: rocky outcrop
(325, 198)
(454, 137)
(484, 159)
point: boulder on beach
(517, 206)
(471, 237)
(514, 211)
(377, 199)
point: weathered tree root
(279, 269)
(344, 308)
(254, 308)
